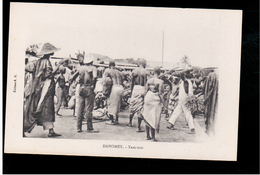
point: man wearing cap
(114, 99)
(185, 89)
(138, 81)
(39, 108)
(85, 96)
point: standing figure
(114, 99)
(153, 103)
(61, 95)
(85, 96)
(211, 101)
(166, 96)
(67, 75)
(185, 89)
(139, 79)
(28, 78)
(39, 108)
(167, 91)
(72, 98)
(72, 86)
(173, 98)
(25, 77)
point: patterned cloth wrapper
(137, 99)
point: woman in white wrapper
(153, 103)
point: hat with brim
(210, 68)
(88, 58)
(47, 48)
(178, 69)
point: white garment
(99, 85)
(182, 94)
(181, 106)
(45, 88)
(77, 99)
(178, 111)
(114, 100)
(48, 125)
(67, 74)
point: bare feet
(192, 131)
(92, 131)
(112, 123)
(171, 127)
(149, 138)
(57, 114)
(53, 134)
(139, 130)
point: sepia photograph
(145, 82)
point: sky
(125, 32)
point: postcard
(123, 81)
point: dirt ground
(66, 126)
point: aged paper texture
(210, 38)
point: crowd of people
(84, 88)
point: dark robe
(211, 99)
(41, 72)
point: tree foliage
(185, 60)
(32, 49)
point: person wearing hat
(61, 96)
(185, 89)
(138, 81)
(85, 96)
(114, 98)
(39, 109)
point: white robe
(181, 106)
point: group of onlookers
(84, 88)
